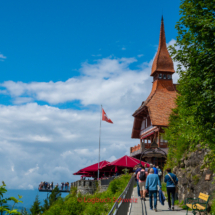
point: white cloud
(42, 142)
(2, 57)
(140, 55)
(32, 170)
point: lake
(28, 197)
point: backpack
(142, 176)
(159, 172)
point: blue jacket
(161, 197)
(155, 170)
(168, 180)
(152, 182)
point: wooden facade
(152, 116)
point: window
(164, 76)
(169, 77)
(143, 124)
(160, 76)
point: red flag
(105, 117)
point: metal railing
(51, 188)
(121, 207)
(107, 181)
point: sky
(59, 62)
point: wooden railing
(147, 146)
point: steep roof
(162, 61)
(160, 102)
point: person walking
(152, 183)
(159, 172)
(171, 181)
(136, 171)
(141, 177)
(155, 169)
(146, 168)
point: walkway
(136, 208)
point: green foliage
(96, 204)
(181, 204)
(163, 185)
(213, 207)
(24, 211)
(196, 179)
(4, 201)
(36, 208)
(125, 171)
(55, 194)
(193, 121)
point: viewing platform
(51, 189)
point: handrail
(122, 206)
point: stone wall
(85, 186)
(191, 174)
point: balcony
(147, 129)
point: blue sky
(59, 61)
(48, 40)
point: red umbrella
(92, 168)
(125, 161)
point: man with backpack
(141, 177)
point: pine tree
(24, 211)
(51, 199)
(36, 208)
(54, 195)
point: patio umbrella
(125, 162)
(92, 168)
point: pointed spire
(162, 61)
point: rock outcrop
(191, 174)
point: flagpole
(99, 138)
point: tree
(55, 194)
(193, 121)
(24, 211)
(36, 208)
(3, 201)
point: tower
(153, 114)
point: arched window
(164, 76)
(160, 76)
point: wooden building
(153, 114)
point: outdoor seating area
(110, 169)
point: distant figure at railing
(62, 185)
(46, 186)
